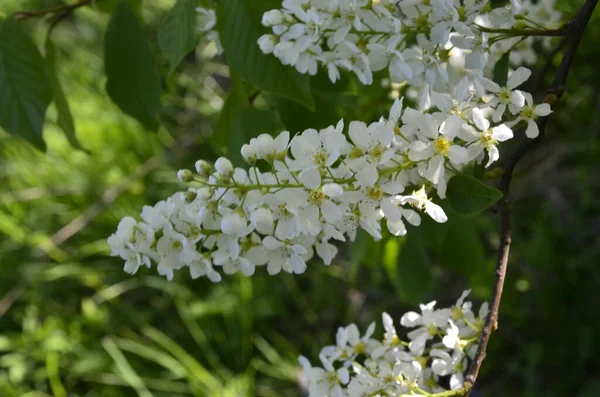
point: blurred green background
(72, 323)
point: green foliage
(133, 77)
(64, 118)
(177, 35)
(25, 86)
(501, 70)
(239, 28)
(408, 265)
(468, 195)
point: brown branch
(67, 9)
(575, 30)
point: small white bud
(273, 17)
(249, 154)
(224, 166)
(267, 43)
(203, 168)
(185, 175)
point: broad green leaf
(501, 70)
(332, 102)
(133, 78)
(468, 195)
(109, 6)
(409, 266)
(64, 118)
(25, 86)
(249, 123)
(236, 99)
(239, 26)
(177, 35)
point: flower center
(441, 145)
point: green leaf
(501, 70)
(463, 236)
(331, 100)
(236, 99)
(109, 6)
(468, 195)
(133, 77)
(239, 26)
(249, 123)
(64, 117)
(25, 86)
(177, 35)
(409, 266)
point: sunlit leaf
(468, 195)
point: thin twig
(575, 31)
(21, 15)
(562, 31)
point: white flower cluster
(434, 358)
(321, 186)
(541, 14)
(207, 22)
(413, 39)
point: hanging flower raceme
(412, 39)
(299, 196)
(433, 358)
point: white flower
(487, 138)
(207, 19)
(508, 96)
(443, 364)
(419, 200)
(284, 255)
(325, 381)
(174, 251)
(530, 114)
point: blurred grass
(72, 323)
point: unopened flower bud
(249, 154)
(267, 43)
(185, 175)
(273, 17)
(224, 166)
(203, 168)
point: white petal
(542, 110)
(458, 154)
(310, 178)
(518, 77)
(435, 212)
(333, 190)
(480, 121)
(502, 133)
(532, 129)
